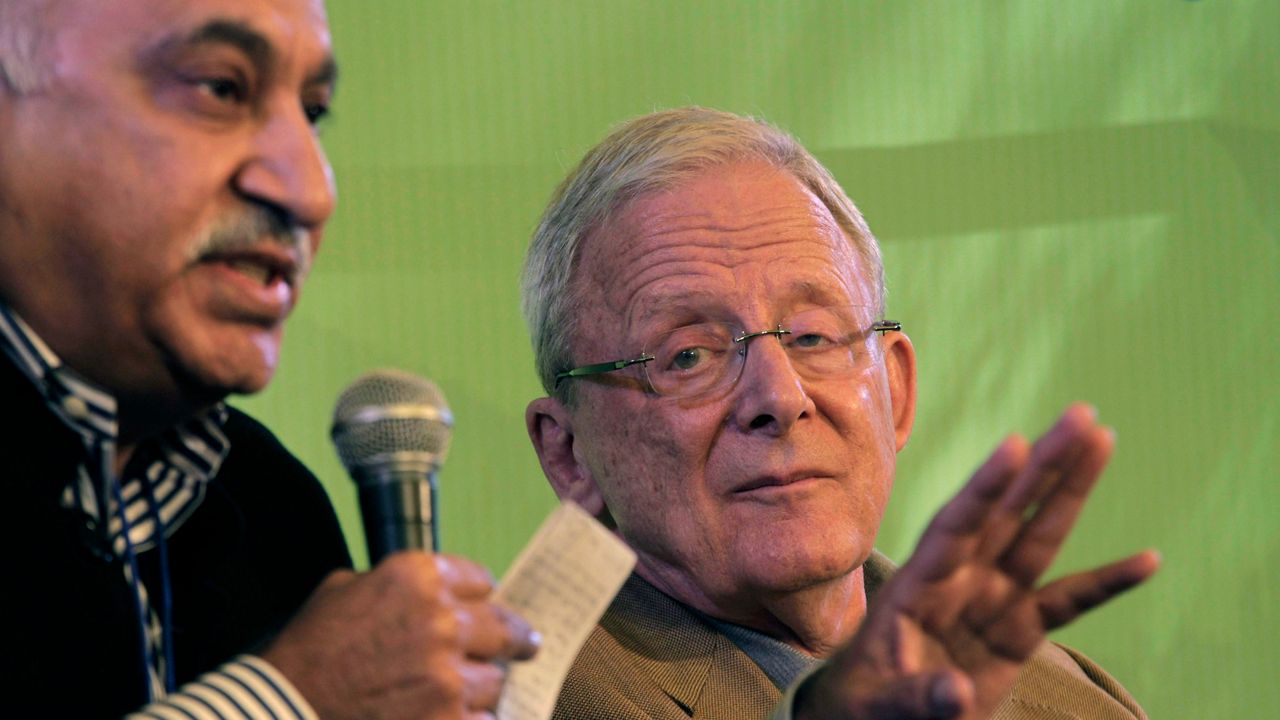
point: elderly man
(706, 311)
(162, 192)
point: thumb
(938, 695)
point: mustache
(251, 226)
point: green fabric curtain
(1075, 200)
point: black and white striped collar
(172, 469)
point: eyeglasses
(698, 359)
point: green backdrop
(1076, 201)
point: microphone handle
(399, 509)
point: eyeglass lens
(701, 358)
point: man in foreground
(162, 193)
(706, 307)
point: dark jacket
(240, 566)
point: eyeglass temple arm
(884, 326)
(599, 368)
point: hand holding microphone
(416, 636)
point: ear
(900, 362)
(551, 431)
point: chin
(792, 569)
(241, 380)
(208, 378)
(200, 388)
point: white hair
(652, 153)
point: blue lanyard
(166, 595)
(166, 592)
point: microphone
(392, 432)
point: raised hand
(948, 634)
(414, 638)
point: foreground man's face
(165, 189)
(779, 483)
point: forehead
(742, 234)
(290, 26)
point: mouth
(264, 267)
(257, 285)
(780, 481)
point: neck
(123, 453)
(146, 403)
(147, 414)
(139, 420)
(815, 620)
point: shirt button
(75, 407)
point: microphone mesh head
(388, 414)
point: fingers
(1011, 518)
(462, 587)
(1052, 454)
(481, 685)
(1023, 528)
(968, 511)
(493, 632)
(1064, 600)
(1046, 463)
(934, 695)
(987, 520)
(1072, 473)
(464, 578)
(923, 696)
(418, 631)
(977, 615)
(953, 533)
(336, 580)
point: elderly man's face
(776, 485)
(162, 192)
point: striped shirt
(163, 484)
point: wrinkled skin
(758, 505)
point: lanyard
(166, 594)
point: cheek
(142, 155)
(869, 407)
(649, 466)
(236, 357)
(861, 416)
(125, 230)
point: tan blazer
(652, 657)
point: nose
(770, 396)
(288, 169)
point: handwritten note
(561, 583)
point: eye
(691, 351)
(811, 340)
(218, 91)
(688, 358)
(315, 112)
(316, 101)
(226, 89)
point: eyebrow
(681, 306)
(814, 292)
(251, 42)
(702, 305)
(237, 34)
